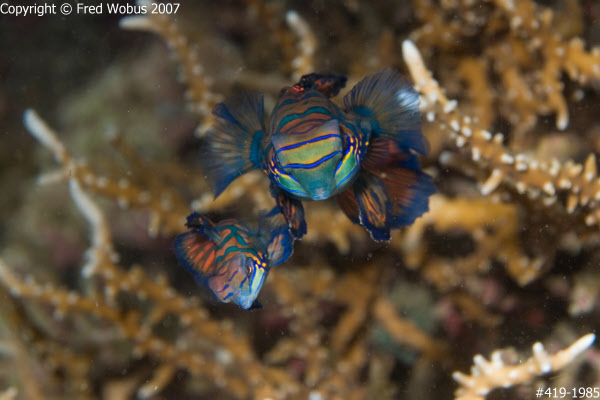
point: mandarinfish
(364, 155)
(231, 259)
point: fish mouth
(247, 303)
(320, 194)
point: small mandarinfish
(232, 260)
(364, 155)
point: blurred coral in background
(94, 305)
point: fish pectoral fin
(234, 146)
(292, 209)
(391, 105)
(280, 245)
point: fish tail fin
(196, 254)
(390, 103)
(235, 144)
(388, 198)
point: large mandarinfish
(364, 155)
(231, 259)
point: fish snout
(320, 193)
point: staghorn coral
(487, 375)
(508, 254)
(528, 60)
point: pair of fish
(365, 155)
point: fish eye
(344, 142)
(276, 162)
(249, 268)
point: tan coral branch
(406, 332)
(167, 213)
(203, 99)
(487, 375)
(303, 63)
(539, 181)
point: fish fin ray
(348, 204)
(203, 226)
(382, 152)
(390, 198)
(234, 147)
(409, 190)
(391, 104)
(373, 205)
(196, 254)
(328, 84)
(280, 245)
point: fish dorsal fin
(203, 226)
(327, 84)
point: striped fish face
(240, 268)
(308, 148)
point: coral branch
(9, 394)
(202, 98)
(541, 182)
(164, 205)
(488, 375)
(307, 42)
(406, 332)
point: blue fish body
(364, 155)
(231, 259)
(315, 148)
